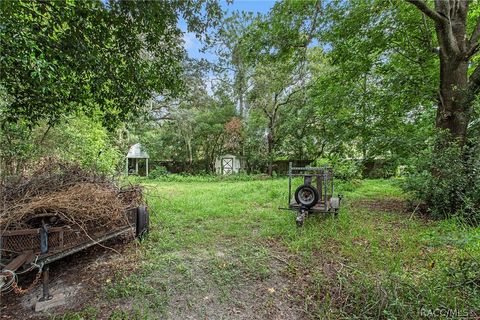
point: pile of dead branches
(59, 193)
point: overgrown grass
(220, 240)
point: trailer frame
(322, 180)
(30, 249)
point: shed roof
(228, 155)
(137, 151)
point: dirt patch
(381, 205)
(314, 282)
(80, 277)
(394, 205)
(208, 294)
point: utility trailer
(25, 250)
(315, 195)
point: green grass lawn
(223, 250)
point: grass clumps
(218, 246)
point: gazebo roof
(136, 151)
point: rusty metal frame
(43, 255)
(60, 242)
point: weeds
(219, 246)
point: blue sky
(192, 45)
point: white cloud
(190, 41)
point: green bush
(447, 179)
(84, 140)
(158, 172)
(350, 185)
(344, 169)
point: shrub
(350, 185)
(158, 172)
(344, 169)
(447, 179)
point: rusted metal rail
(29, 249)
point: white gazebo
(136, 153)
(227, 164)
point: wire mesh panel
(15, 242)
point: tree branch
(318, 7)
(166, 117)
(45, 134)
(289, 96)
(432, 14)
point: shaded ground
(80, 277)
(222, 250)
(392, 205)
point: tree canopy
(59, 57)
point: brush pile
(59, 194)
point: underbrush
(449, 288)
(399, 296)
(446, 179)
(184, 177)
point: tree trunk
(270, 153)
(270, 144)
(190, 153)
(453, 112)
(457, 91)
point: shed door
(227, 165)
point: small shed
(227, 164)
(136, 158)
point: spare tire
(306, 196)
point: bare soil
(80, 277)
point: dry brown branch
(61, 194)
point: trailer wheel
(142, 222)
(306, 196)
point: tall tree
(232, 63)
(274, 85)
(456, 49)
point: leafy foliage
(102, 59)
(158, 172)
(58, 57)
(449, 182)
(309, 80)
(87, 142)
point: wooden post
(146, 168)
(126, 168)
(136, 166)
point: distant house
(228, 164)
(136, 160)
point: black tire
(143, 221)
(306, 196)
